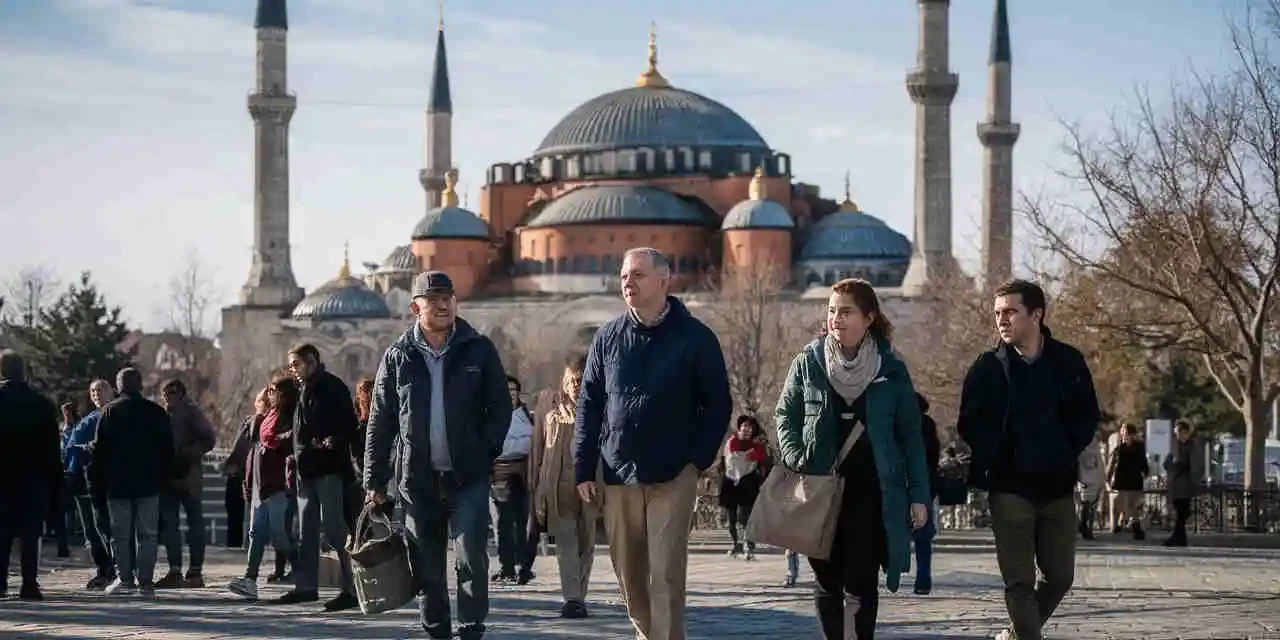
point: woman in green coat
(849, 383)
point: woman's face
(746, 431)
(571, 383)
(263, 403)
(845, 321)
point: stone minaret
(998, 135)
(271, 282)
(932, 87)
(439, 150)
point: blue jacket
(653, 400)
(79, 437)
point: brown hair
(1030, 293)
(174, 385)
(364, 398)
(864, 297)
(286, 395)
(305, 350)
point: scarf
(267, 431)
(850, 378)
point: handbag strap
(848, 446)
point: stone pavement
(1122, 591)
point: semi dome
(449, 221)
(619, 204)
(853, 234)
(756, 212)
(400, 259)
(343, 298)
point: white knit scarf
(852, 377)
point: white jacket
(1093, 472)
(519, 436)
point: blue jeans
(923, 538)
(270, 522)
(450, 512)
(135, 518)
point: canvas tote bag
(798, 511)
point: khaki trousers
(575, 552)
(1129, 508)
(648, 527)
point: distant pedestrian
(654, 407)
(61, 504)
(1027, 410)
(511, 493)
(95, 518)
(441, 395)
(1092, 481)
(233, 473)
(743, 462)
(1185, 468)
(1128, 478)
(793, 568)
(132, 463)
(923, 537)
(193, 437)
(30, 471)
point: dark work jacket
(477, 409)
(324, 411)
(30, 449)
(1129, 468)
(272, 464)
(133, 450)
(654, 400)
(1027, 439)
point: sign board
(1159, 443)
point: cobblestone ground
(1122, 591)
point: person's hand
(327, 443)
(376, 497)
(919, 515)
(587, 491)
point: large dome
(650, 116)
(853, 234)
(619, 204)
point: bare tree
(534, 347)
(1179, 214)
(192, 293)
(29, 293)
(760, 332)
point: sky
(126, 147)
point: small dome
(758, 214)
(620, 204)
(342, 298)
(450, 222)
(854, 234)
(400, 259)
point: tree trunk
(1256, 417)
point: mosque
(651, 164)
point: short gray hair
(129, 380)
(12, 366)
(659, 260)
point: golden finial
(756, 190)
(449, 197)
(345, 272)
(848, 204)
(651, 77)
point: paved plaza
(1122, 591)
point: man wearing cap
(440, 398)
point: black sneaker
(525, 576)
(30, 593)
(343, 602)
(297, 597)
(574, 610)
(171, 580)
(97, 583)
(506, 575)
(1138, 533)
(194, 580)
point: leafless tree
(28, 293)
(1179, 213)
(760, 331)
(534, 347)
(191, 294)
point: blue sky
(125, 143)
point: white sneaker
(1007, 634)
(120, 587)
(244, 588)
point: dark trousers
(95, 521)
(233, 500)
(433, 517)
(739, 515)
(846, 586)
(1182, 513)
(171, 500)
(59, 523)
(22, 514)
(923, 539)
(513, 530)
(1029, 535)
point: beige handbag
(798, 511)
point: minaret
(271, 282)
(439, 149)
(998, 135)
(932, 87)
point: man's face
(100, 395)
(643, 286)
(436, 311)
(1183, 433)
(171, 398)
(301, 366)
(1015, 324)
(514, 390)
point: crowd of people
(440, 432)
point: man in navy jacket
(653, 411)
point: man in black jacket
(31, 470)
(1027, 410)
(132, 458)
(440, 397)
(323, 426)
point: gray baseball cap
(430, 282)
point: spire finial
(651, 77)
(344, 273)
(757, 189)
(442, 15)
(449, 197)
(1000, 49)
(848, 204)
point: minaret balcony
(279, 105)
(998, 134)
(932, 88)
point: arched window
(686, 159)
(593, 265)
(669, 160)
(573, 167)
(704, 159)
(562, 265)
(627, 161)
(744, 162)
(829, 278)
(548, 168)
(609, 163)
(549, 265)
(812, 279)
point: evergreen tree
(1184, 391)
(76, 343)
